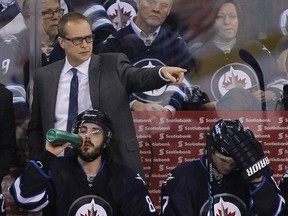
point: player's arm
(135, 197)
(176, 196)
(266, 191)
(250, 158)
(30, 190)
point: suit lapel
(53, 80)
(94, 80)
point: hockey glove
(247, 153)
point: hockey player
(89, 183)
(234, 178)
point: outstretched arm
(173, 74)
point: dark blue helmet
(97, 117)
(220, 128)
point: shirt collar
(141, 34)
(82, 68)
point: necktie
(73, 100)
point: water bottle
(58, 137)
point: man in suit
(104, 82)
(7, 137)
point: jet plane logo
(90, 205)
(231, 76)
(225, 204)
(120, 14)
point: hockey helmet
(220, 128)
(97, 117)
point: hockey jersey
(64, 189)
(185, 192)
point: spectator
(51, 13)
(7, 138)
(105, 81)
(222, 73)
(95, 11)
(147, 42)
(89, 183)
(225, 181)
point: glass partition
(254, 60)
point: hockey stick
(249, 59)
(152, 162)
(210, 174)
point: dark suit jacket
(111, 79)
(7, 131)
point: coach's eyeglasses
(50, 13)
(79, 40)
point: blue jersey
(115, 191)
(185, 192)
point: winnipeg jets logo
(231, 76)
(121, 13)
(91, 209)
(233, 80)
(225, 205)
(91, 205)
(150, 63)
(224, 209)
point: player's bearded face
(93, 136)
(90, 151)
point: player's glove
(247, 152)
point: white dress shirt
(62, 101)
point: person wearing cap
(233, 178)
(88, 183)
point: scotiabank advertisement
(168, 142)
